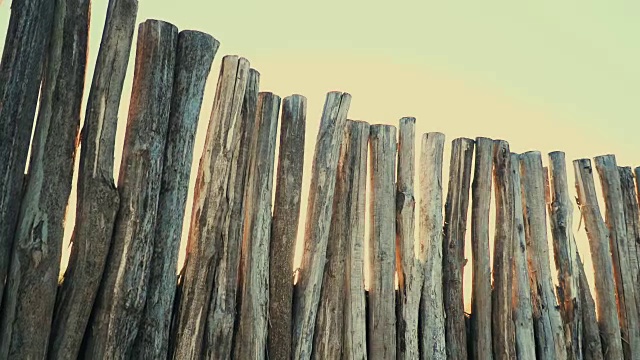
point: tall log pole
(632, 218)
(320, 206)
(601, 256)
(455, 225)
(591, 343)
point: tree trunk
(591, 343)
(632, 218)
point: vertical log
(632, 218)
(210, 208)
(381, 330)
(625, 285)
(33, 274)
(432, 344)
(501, 307)
(550, 343)
(521, 295)
(601, 256)
(591, 344)
(21, 66)
(194, 55)
(481, 318)
(323, 175)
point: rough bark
(98, 199)
(195, 53)
(632, 218)
(35, 262)
(455, 225)
(210, 208)
(121, 299)
(323, 177)
(591, 343)
(601, 256)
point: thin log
(323, 177)
(550, 342)
(121, 299)
(632, 218)
(591, 343)
(210, 208)
(501, 306)
(33, 275)
(601, 256)
(409, 267)
(23, 57)
(284, 226)
(432, 343)
(194, 56)
(455, 225)
(521, 295)
(481, 319)
(381, 329)
(98, 200)
(625, 284)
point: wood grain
(632, 219)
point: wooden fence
(235, 297)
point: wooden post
(565, 254)
(632, 218)
(98, 199)
(32, 281)
(219, 328)
(194, 55)
(455, 225)
(550, 343)
(409, 267)
(381, 327)
(210, 207)
(521, 293)
(591, 344)
(601, 256)
(625, 284)
(430, 226)
(481, 340)
(23, 57)
(501, 306)
(323, 177)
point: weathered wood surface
(521, 290)
(455, 225)
(195, 53)
(409, 266)
(23, 57)
(481, 340)
(565, 254)
(550, 343)
(632, 218)
(121, 299)
(32, 281)
(339, 316)
(251, 340)
(219, 328)
(320, 206)
(210, 208)
(98, 199)
(601, 256)
(625, 285)
(503, 333)
(432, 342)
(381, 329)
(284, 226)
(591, 343)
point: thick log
(481, 341)
(625, 284)
(381, 322)
(320, 206)
(550, 343)
(591, 343)
(521, 289)
(632, 218)
(121, 299)
(432, 342)
(409, 266)
(210, 208)
(601, 256)
(194, 56)
(501, 306)
(32, 281)
(25, 48)
(98, 199)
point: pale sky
(544, 76)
